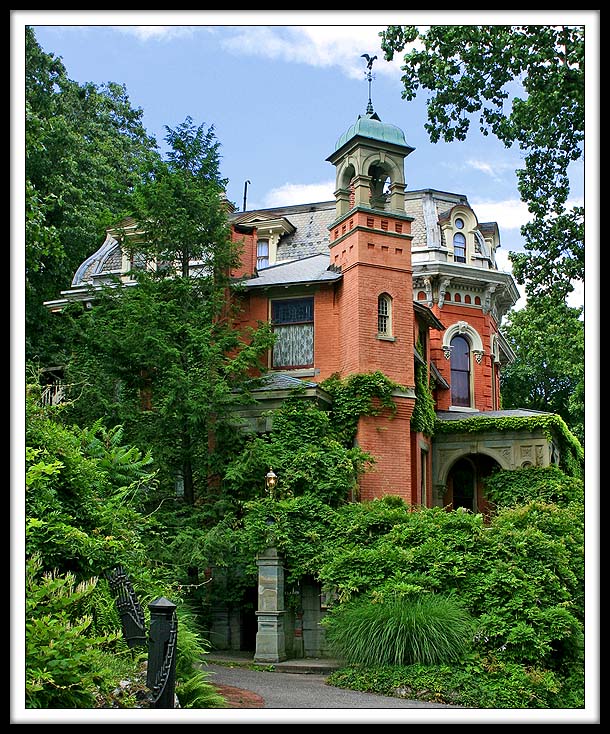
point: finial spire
(369, 76)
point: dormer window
(262, 254)
(459, 246)
(269, 232)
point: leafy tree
(472, 72)
(164, 358)
(84, 490)
(86, 149)
(547, 337)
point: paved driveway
(306, 691)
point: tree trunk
(189, 489)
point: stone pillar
(220, 631)
(270, 638)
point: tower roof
(370, 126)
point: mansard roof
(311, 224)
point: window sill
(385, 338)
(297, 371)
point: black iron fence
(162, 638)
(128, 607)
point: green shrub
(538, 483)
(193, 688)
(67, 665)
(427, 629)
(487, 684)
(306, 455)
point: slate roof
(312, 269)
(311, 223)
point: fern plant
(197, 692)
(66, 663)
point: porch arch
(463, 485)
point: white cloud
(509, 214)
(496, 169)
(156, 32)
(319, 46)
(300, 194)
(577, 297)
(505, 266)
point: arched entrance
(464, 486)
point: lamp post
(270, 637)
(271, 482)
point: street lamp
(271, 482)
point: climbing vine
(424, 417)
(357, 395)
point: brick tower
(370, 242)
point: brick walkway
(237, 698)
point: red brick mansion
(381, 279)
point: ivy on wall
(357, 395)
(423, 419)
(551, 425)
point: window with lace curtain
(292, 322)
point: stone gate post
(270, 638)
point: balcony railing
(53, 394)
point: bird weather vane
(369, 77)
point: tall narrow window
(459, 248)
(384, 315)
(460, 372)
(292, 321)
(262, 254)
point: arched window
(384, 315)
(460, 372)
(459, 247)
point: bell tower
(370, 243)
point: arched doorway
(464, 487)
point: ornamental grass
(429, 630)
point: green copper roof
(370, 126)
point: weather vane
(369, 77)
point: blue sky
(279, 89)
